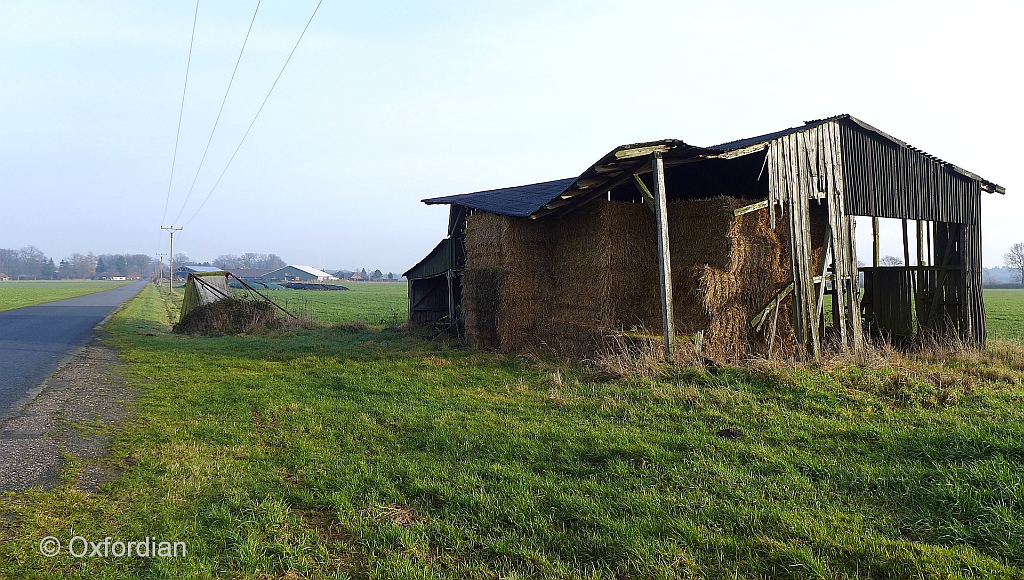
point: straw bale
(594, 272)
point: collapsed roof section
(613, 174)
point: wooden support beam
(824, 269)
(641, 151)
(919, 277)
(906, 245)
(646, 193)
(877, 261)
(664, 254)
(758, 320)
(763, 204)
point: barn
(748, 246)
(297, 274)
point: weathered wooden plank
(758, 320)
(646, 193)
(664, 253)
(749, 208)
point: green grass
(374, 454)
(1005, 314)
(19, 293)
(375, 303)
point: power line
(174, 159)
(257, 114)
(225, 100)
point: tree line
(30, 263)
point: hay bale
(594, 272)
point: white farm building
(297, 274)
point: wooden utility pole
(160, 271)
(170, 274)
(664, 254)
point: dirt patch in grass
(72, 418)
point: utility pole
(160, 272)
(170, 277)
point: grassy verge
(16, 294)
(342, 453)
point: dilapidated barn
(742, 244)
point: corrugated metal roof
(519, 201)
(615, 168)
(307, 269)
(198, 269)
(741, 143)
(438, 261)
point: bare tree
(891, 261)
(1014, 259)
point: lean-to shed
(739, 243)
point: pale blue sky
(384, 104)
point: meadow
(1004, 310)
(375, 303)
(370, 453)
(20, 293)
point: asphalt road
(35, 339)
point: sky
(386, 103)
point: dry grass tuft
(398, 514)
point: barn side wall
(567, 283)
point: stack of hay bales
(567, 282)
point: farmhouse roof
(307, 269)
(199, 269)
(247, 272)
(618, 166)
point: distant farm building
(248, 275)
(298, 274)
(3, 277)
(184, 271)
(737, 245)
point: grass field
(374, 454)
(16, 294)
(1005, 314)
(375, 303)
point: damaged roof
(519, 201)
(619, 165)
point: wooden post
(664, 254)
(906, 246)
(919, 285)
(874, 237)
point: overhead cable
(225, 100)
(181, 112)
(257, 114)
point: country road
(35, 339)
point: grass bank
(341, 453)
(20, 293)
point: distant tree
(49, 270)
(891, 261)
(1014, 259)
(391, 275)
(377, 275)
(101, 265)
